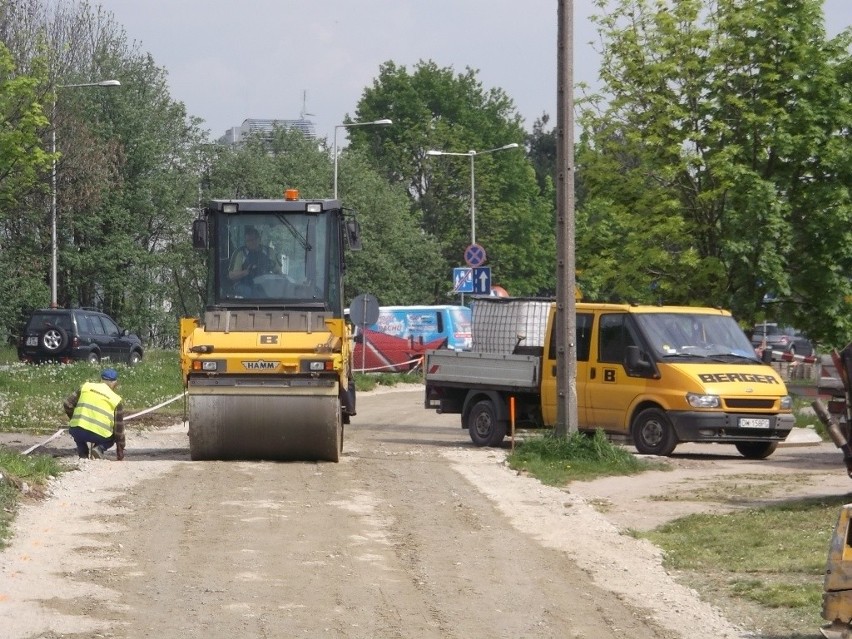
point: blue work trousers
(83, 438)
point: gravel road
(415, 533)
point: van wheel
(484, 427)
(756, 450)
(653, 433)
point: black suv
(67, 335)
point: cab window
(583, 341)
(615, 336)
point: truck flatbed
(497, 371)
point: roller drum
(272, 427)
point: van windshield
(696, 334)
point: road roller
(268, 368)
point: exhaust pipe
(834, 432)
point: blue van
(402, 334)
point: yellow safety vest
(95, 410)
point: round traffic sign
(364, 309)
(474, 255)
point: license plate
(753, 422)
(32, 341)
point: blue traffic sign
(482, 280)
(474, 255)
(462, 280)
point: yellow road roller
(267, 369)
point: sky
(228, 61)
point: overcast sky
(229, 60)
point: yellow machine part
(251, 397)
(265, 423)
(837, 595)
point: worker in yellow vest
(97, 417)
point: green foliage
(23, 160)
(436, 109)
(31, 396)
(718, 170)
(555, 461)
(368, 381)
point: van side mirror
(199, 234)
(634, 362)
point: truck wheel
(484, 427)
(653, 433)
(756, 450)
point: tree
(23, 160)
(716, 171)
(436, 109)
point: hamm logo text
(260, 366)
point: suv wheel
(135, 358)
(54, 339)
(93, 358)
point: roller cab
(267, 369)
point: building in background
(252, 126)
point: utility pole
(566, 307)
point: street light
(53, 241)
(338, 126)
(472, 154)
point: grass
(556, 461)
(768, 561)
(31, 396)
(369, 381)
(743, 489)
(21, 476)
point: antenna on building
(304, 112)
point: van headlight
(703, 401)
(786, 403)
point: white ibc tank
(506, 324)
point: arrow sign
(482, 280)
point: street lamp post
(53, 233)
(384, 121)
(472, 154)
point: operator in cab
(250, 261)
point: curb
(801, 437)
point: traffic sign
(474, 255)
(482, 280)
(364, 309)
(462, 280)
